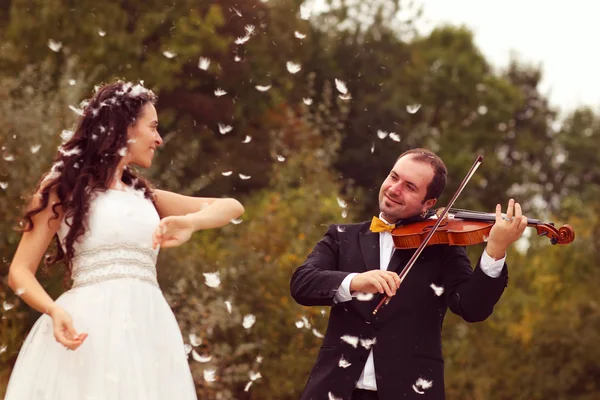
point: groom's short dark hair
(440, 172)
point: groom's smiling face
(402, 194)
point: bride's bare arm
(21, 275)
(204, 212)
(31, 249)
(184, 215)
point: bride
(112, 335)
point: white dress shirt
(489, 266)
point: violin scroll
(563, 235)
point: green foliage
(255, 260)
(32, 117)
(540, 341)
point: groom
(397, 353)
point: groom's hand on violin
(506, 230)
(376, 281)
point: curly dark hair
(88, 160)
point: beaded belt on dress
(105, 263)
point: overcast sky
(558, 35)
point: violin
(465, 228)
(460, 229)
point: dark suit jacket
(407, 330)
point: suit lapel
(399, 259)
(369, 247)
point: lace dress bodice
(118, 240)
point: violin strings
(456, 210)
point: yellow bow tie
(378, 225)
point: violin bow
(441, 217)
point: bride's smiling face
(143, 138)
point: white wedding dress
(135, 350)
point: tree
(255, 259)
(439, 92)
(33, 118)
(539, 343)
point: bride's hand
(172, 231)
(64, 332)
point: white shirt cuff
(343, 293)
(491, 267)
